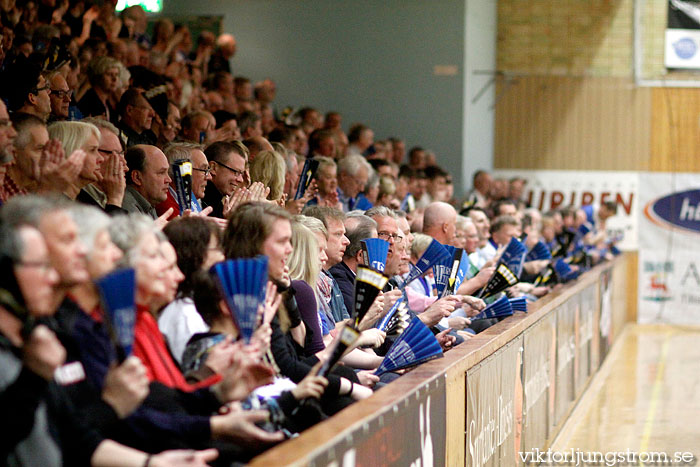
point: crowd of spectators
(95, 117)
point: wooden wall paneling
(528, 137)
(545, 96)
(662, 145)
(622, 123)
(594, 108)
(675, 135)
(503, 90)
(638, 102)
(591, 146)
(578, 129)
(554, 96)
(563, 121)
(524, 137)
(572, 123)
(608, 144)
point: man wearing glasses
(388, 229)
(30, 91)
(201, 174)
(60, 97)
(228, 162)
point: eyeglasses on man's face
(206, 171)
(107, 152)
(240, 173)
(62, 94)
(390, 236)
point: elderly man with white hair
(353, 173)
(192, 153)
(225, 50)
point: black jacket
(213, 198)
(345, 279)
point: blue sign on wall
(677, 210)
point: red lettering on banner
(627, 207)
(556, 199)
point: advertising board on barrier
(566, 359)
(500, 396)
(494, 408)
(551, 189)
(584, 338)
(669, 261)
(587, 336)
(539, 360)
(606, 318)
(406, 434)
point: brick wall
(566, 37)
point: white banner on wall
(550, 189)
(669, 261)
(682, 48)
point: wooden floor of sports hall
(646, 397)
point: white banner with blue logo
(682, 50)
(669, 258)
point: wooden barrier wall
(508, 389)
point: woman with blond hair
(386, 196)
(260, 228)
(305, 262)
(85, 137)
(308, 258)
(269, 168)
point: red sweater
(150, 347)
(170, 202)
